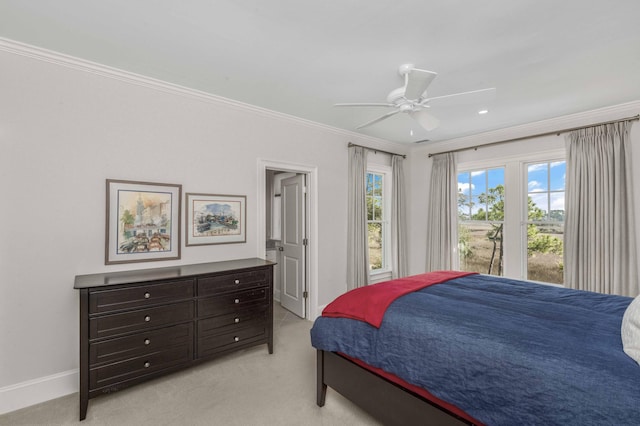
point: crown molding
(68, 61)
(530, 130)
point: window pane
(481, 195)
(377, 185)
(480, 247)
(556, 211)
(496, 177)
(478, 211)
(546, 183)
(558, 175)
(377, 208)
(538, 177)
(544, 253)
(478, 182)
(375, 246)
(464, 195)
(495, 202)
(538, 206)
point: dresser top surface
(170, 272)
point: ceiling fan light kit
(412, 98)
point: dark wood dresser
(138, 325)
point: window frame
(385, 272)
(515, 202)
(485, 171)
(524, 218)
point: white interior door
(293, 261)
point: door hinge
(304, 189)
(305, 294)
(305, 241)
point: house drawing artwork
(144, 222)
(216, 218)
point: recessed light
(483, 111)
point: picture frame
(142, 221)
(215, 219)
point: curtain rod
(555, 132)
(375, 150)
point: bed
(449, 348)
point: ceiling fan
(412, 98)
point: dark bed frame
(390, 403)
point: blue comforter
(507, 352)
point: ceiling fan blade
(365, 105)
(471, 97)
(425, 119)
(417, 82)
(382, 117)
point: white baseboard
(39, 390)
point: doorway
(287, 212)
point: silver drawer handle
(147, 295)
(147, 341)
(147, 318)
(236, 301)
(236, 339)
(237, 281)
(147, 364)
(236, 320)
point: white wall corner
(318, 312)
(31, 392)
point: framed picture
(143, 221)
(215, 219)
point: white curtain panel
(357, 235)
(399, 262)
(442, 226)
(599, 242)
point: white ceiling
(546, 58)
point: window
(545, 221)
(481, 220)
(511, 216)
(378, 212)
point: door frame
(311, 219)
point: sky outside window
(546, 182)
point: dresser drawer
(143, 343)
(230, 282)
(139, 296)
(140, 319)
(233, 321)
(118, 372)
(230, 340)
(232, 302)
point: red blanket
(369, 303)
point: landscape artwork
(143, 221)
(215, 219)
